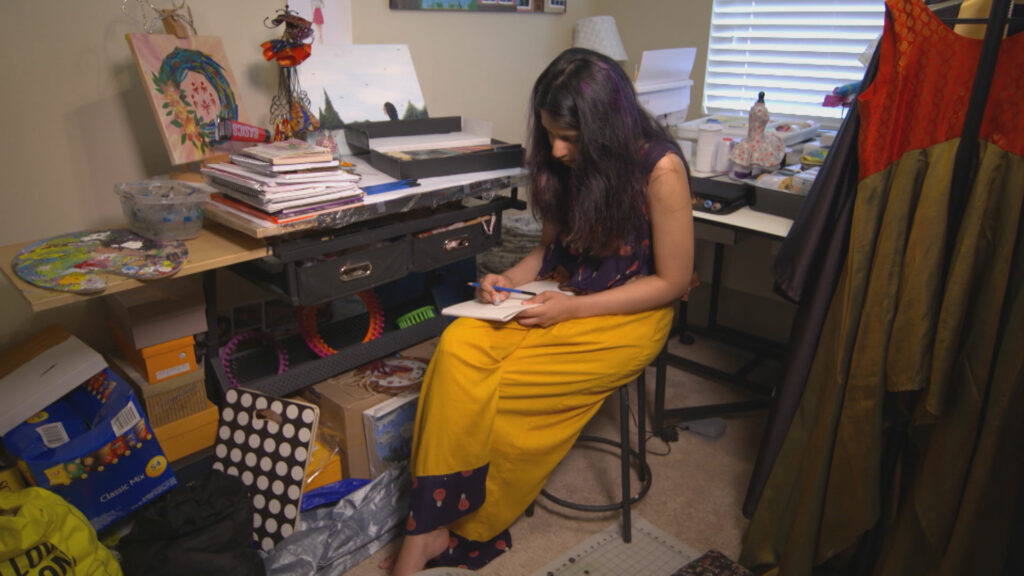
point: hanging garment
(914, 339)
(806, 271)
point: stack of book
(281, 182)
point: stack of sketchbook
(281, 182)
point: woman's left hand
(554, 307)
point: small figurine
(759, 150)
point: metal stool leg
(626, 454)
(627, 526)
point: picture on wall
(521, 6)
(360, 83)
(189, 85)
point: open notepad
(505, 311)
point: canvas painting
(189, 85)
(360, 83)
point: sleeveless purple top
(582, 272)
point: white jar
(708, 137)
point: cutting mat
(652, 552)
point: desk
(216, 247)
(438, 202)
(722, 230)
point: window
(795, 51)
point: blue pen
(390, 186)
(501, 289)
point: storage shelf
(310, 368)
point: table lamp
(599, 33)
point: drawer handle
(354, 271)
(456, 243)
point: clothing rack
(965, 166)
(965, 163)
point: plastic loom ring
(416, 316)
(265, 338)
(307, 324)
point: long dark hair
(599, 202)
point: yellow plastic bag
(41, 534)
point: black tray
(720, 196)
(499, 155)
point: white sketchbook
(508, 309)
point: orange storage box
(188, 435)
(161, 361)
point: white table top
(748, 219)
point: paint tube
(240, 131)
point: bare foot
(416, 550)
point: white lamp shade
(599, 33)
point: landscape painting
(360, 83)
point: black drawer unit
(461, 240)
(431, 245)
(323, 278)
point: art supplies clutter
(783, 192)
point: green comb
(415, 317)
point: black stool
(625, 455)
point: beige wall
(76, 119)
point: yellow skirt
(514, 399)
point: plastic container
(803, 181)
(163, 209)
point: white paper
(663, 81)
(665, 67)
(507, 310)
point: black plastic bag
(204, 527)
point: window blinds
(796, 51)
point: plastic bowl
(163, 209)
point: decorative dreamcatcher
(289, 109)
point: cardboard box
(162, 361)
(188, 435)
(159, 312)
(342, 400)
(169, 400)
(94, 448)
(38, 371)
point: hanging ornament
(289, 109)
(759, 150)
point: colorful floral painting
(189, 85)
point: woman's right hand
(486, 291)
